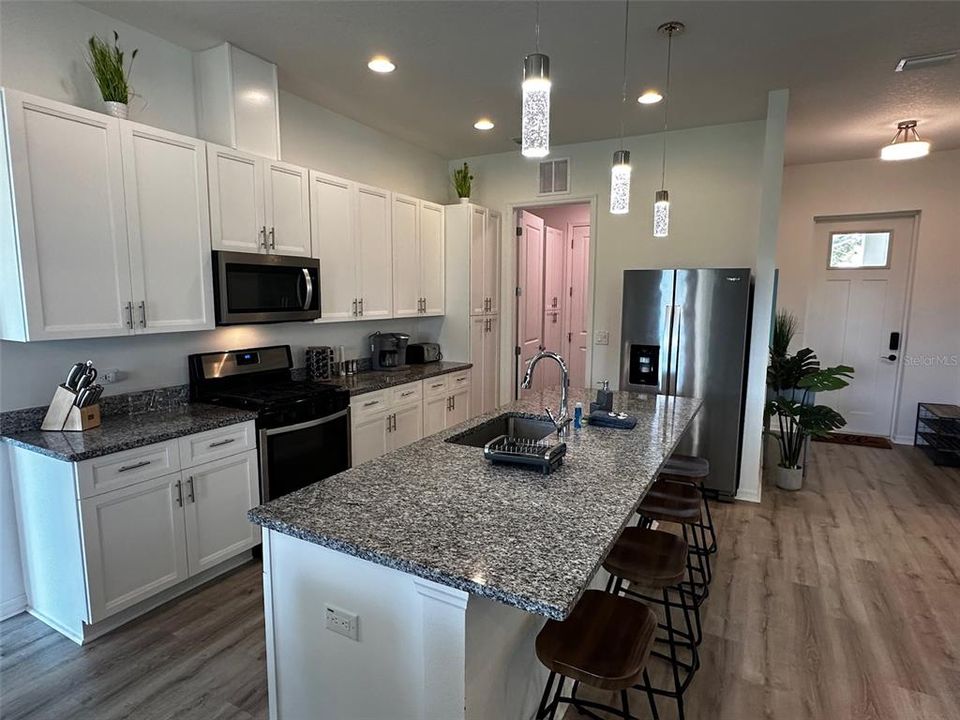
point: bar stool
(604, 643)
(694, 470)
(657, 560)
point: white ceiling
(457, 61)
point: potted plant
(113, 78)
(462, 182)
(797, 417)
(785, 326)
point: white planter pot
(788, 478)
(117, 109)
(465, 201)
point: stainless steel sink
(512, 424)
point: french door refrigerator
(685, 332)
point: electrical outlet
(108, 376)
(603, 337)
(342, 622)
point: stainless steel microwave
(252, 288)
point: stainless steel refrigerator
(686, 332)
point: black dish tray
(535, 454)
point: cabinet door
(331, 212)
(491, 261)
(236, 200)
(374, 253)
(168, 223)
(435, 414)
(489, 376)
(287, 203)
(68, 191)
(431, 258)
(216, 498)
(478, 300)
(406, 257)
(407, 426)
(368, 438)
(134, 544)
(478, 336)
(459, 407)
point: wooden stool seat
(651, 558)
(604, 643)
(687, 466)
(672, 502)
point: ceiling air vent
(915, 62)
(555, 176)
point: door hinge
(571, 291)
(519, 291)
(517, 351)
(569, 337)
(519, 231)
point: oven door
(295, 456)
(251, 288)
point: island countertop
(439, 511)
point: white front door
(530, 282)
(855, 315)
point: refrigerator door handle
(666, 346)
(675, 365)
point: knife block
(64, 415)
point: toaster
(423, 353)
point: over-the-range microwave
(253, 288)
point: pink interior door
(578, 265)
(548, 374)
(530, 300)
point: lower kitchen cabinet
(446, 401)
(459, 407)
(368, 438)
(406, 427)
(385, 420)
(435, 414)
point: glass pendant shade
(535, 131)
(906, 144)
(661, 214)
(620, 183)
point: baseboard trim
(902, 439)
(13, 606)
(67, 632)
(749, 495)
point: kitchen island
(450, 566)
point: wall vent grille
(555, 176)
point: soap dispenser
(604, 400)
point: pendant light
(535, 131)
(906, 144)
(620, 171)
(661, 205)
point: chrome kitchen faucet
(562, 421)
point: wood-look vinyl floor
(841, 601)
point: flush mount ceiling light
(661, 203)
(535, 128)
(484, 124)
(381, 64)
(906, 144)
(620, 170)
(650, 97)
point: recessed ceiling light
(381, 64)
(484, 124)
(650, 97)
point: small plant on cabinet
(106, 63)
(463, 181)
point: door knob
(890, 357)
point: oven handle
(264, 434)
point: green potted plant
(797, 418)
(463, 182)
(106, 62)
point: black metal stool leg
(626, 705)
(556, 698)
(712, 549)
(542, 708)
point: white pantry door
(530, 301)
(578, 266)
(554, 251)
(855, 313)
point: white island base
(425, 651)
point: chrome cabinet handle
(179, 493)
(135, 466)
(361, 307)
(190, 485)
(438, 385)
(130, 315)
(143, 313)
(408, 393)
(263, 237)
(273, 240)
(371, 403)
(220, 443)
(354, 307)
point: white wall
(929, 185)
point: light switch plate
(342, 622)
(603, 337)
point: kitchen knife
(84, 381)
(97, 392)
(74, 375)
(81, 399)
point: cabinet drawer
(215, 444)
(405, 394)
(436, 386)
(122, 469)
(369, 404)
(459, 380)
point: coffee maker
(388, 351)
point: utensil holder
(64, 415)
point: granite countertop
(125, 432)
(371, 380)
(440, 511)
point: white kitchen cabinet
(134, 544)
(65, 270)
(374, 249)
(216, 498)
(491, 261)
(446, 401)
(168, 226)
(287, 208)
(406, 426)
(483, 240)
(459, 410)
(385, 420)
(418, 257)
(332, 218)
(368, 438)
(484, 351)
(435, 414)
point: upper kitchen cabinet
(418, 257)
(479, 229)
(374, 252)
(258, 205)
(237, 100)
(170, 266)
